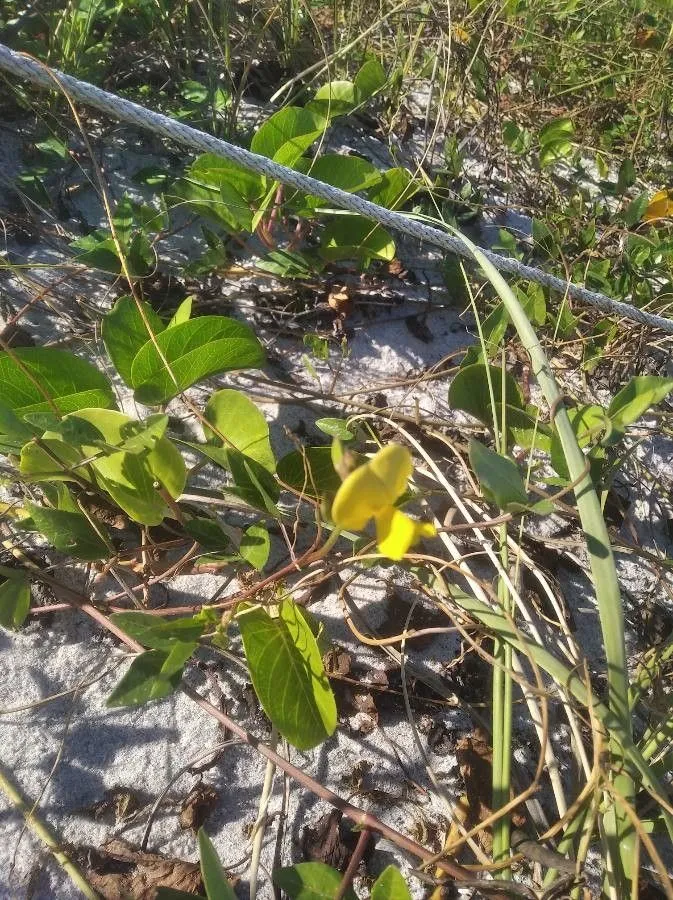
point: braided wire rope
(125, 110)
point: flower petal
(361, 496)
(393, 466)
(396, 532)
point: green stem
(41, 831)
(618, 828)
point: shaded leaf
(309, 472)
(152, 675)
(14, 601)
(288, 675)
(499, 478)
(69, 532)
(353, 237)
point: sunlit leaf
(157, 633)
(310, 881)
(215, 880)
(30, 375)
(390, 885)
(193, 350)
(125, 329)
(288, 675)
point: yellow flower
(370, 492)
(660, 206)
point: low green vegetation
(556, 113)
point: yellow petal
(659, 207)
(361, 496)
(393, 466)
(396, 532)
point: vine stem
(41, 831)
(355, 860)
(364, 819)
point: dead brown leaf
(120, 872)
(197, 806)
(327, 842)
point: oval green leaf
(242, 424)
(288, 674)
(14, 602)
(390, 886)
(499, 478)
(152, 675)
(31, 376)
(193, 350)
(125, 330)
(310, 881)
(69, 532)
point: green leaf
(288, 675)
(310, 881)
(222, 191)
(395, 187)
(635, 398)
(14, 601)
(627, 175)
(31, 374)
(255, 546)
(470, 392)
(214, 877)
(68, 532)
(128, 476)
(350, 173)
(335, 428)
(207, 532)
(157, 633)
(124, 332)
(353, 237)
(370, 78)
(152, 675)
(97, 253)
(390, 886)
(11, 426)
(558, 130)
(336, 98)
(182, 313)
(243, 425)
(287, 134)
(636, 209)
(194, 350)
(499, 478)
(145, 435)
(309, 472)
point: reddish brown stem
(364, 819)
(354, 862)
